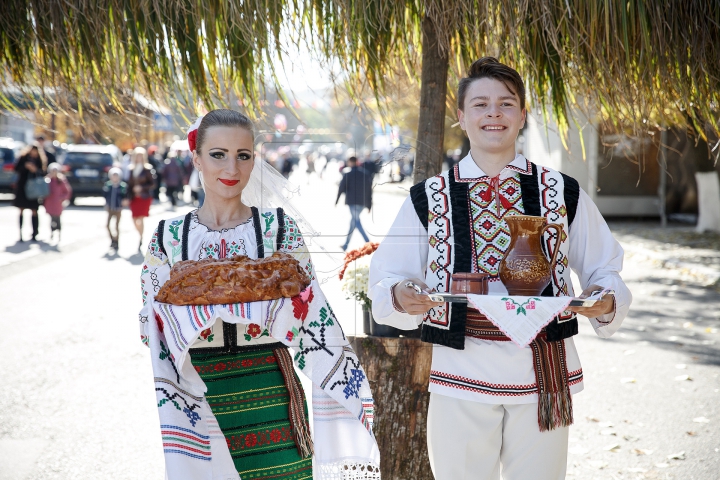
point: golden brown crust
(233, 280)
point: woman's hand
(137, 189)
(31, 167)
(606, 305)
(412, 302)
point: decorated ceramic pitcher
(525, 270)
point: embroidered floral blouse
(203, 242)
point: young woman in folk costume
(251, 420)
(493, 403)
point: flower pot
(376, 329)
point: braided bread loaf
(233, 280)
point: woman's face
(34, 153)
(225, 160)
(138, 159)
(53, 173)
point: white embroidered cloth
(345, 447)
(520, 318)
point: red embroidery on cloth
(301, 303)
(159, 322)
(236, 364)
(494, 389)
(259, 438)
(254, 330)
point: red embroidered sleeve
(395, 305)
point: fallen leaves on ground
(599, 464)
(641, 451)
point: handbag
(37, 187)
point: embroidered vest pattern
(441, 241)
(552, 207)
(491, 235)
(487, 206)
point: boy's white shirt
(594, 255)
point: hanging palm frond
(637, 61)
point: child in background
(115, 199)
(60, 191)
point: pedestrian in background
(140, 190)
(127, 164)
(49, 155)
(197, 190)
(32, 164)
(60, 191)
(156, 161)
(356, 184)
(173, 175)
(115, 191)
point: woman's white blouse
(203, 242)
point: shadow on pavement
(136, 259)
(20, 247)
(691, 329)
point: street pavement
(78, 399)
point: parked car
(9, 153)
(86, 168)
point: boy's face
(115, 178)
(491, 116)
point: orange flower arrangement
(353, 255)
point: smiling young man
(484, 415)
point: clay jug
(525, 270)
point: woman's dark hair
(25, 153)
(489, 67)
(221, 117)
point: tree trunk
(399, 370)
(433, 92)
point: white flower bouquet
(355, 281)
(355, 274)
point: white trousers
(476, 441)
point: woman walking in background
(172, 173)
(140, 189)
(32, 164)
(60, 191)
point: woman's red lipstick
(229, 183)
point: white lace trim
(346, 471)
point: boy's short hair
(490, 67)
